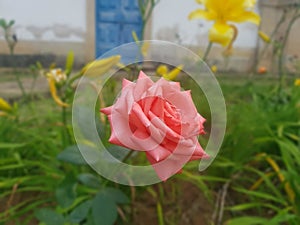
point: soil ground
(188, 207)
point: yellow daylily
(6, 109)
(100, 67)
(222, 12)
(221, 34)
(163, 71)
(264, 36)
(214, 69)
(297, 82)
(5, 106)
(56, 77)
(53, 91)
(57, 74)
(145, 46)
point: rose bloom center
(151, 107)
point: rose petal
(142, 84)
(160, 125)
(158, 154)
(125, 83)
(160, 119)
(171, 165)
(107, 110)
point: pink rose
(161, 120)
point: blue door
(115, 21)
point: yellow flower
(5, 106)
(57, 74)
(163, 71)
(264, 37)
(222, 12)
(100, 67)
(214, 68)
(145, 48)
(56, 77)
(297, 82)
(53, 91)
(145, 45)
(221, 34)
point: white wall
(44, 20)
(171, 17)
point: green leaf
(11, 23)
(3, 23)
(293, 136)
(118, 152)
(11, 145)
(247, 206)
(90, 220)
(69, 62)
(39, 65)
(80, 212)
(73, 155)
(282, 217)
(271, 187)
(262, 195)
(89, 180)
(66, 191)
(116, 195)
(49, 217)
(104, 210)
(247, 220)
(288, 147)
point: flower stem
(63, 131)
(128, 156)
(66, 138)
(207, 51)
(260, 55)
(19, 82)
(75, 77)
(284, 42)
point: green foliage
(263, 132)
(62, 193)
(262, 146)
(6, 24)
(80, 212)
(66, 191)
(73, 155)
(256, 175)
(11, 39)
(49, 217)
(104, 207)
(69, 63)
(89, 180)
